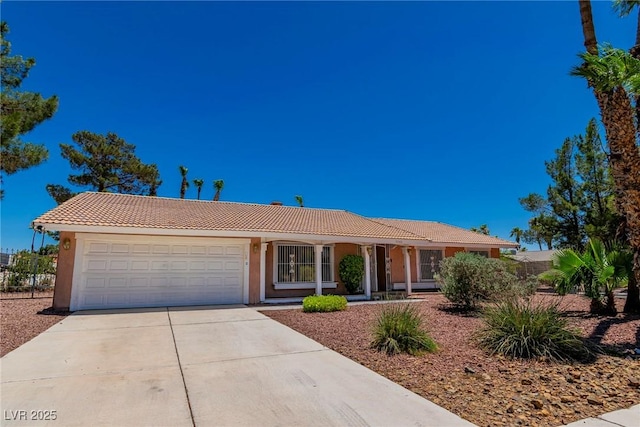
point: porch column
(367, 271)
(263, 270)
(407, 269)
(318, 269)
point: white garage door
(145, 271)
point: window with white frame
(296, 264)
(484, 253)
(429, 263)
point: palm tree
(613, 75)
(185, 184)
(624, 8)
(483, 229)
(516, 233)
(218, 184)
(198, 183)
(300, 201)
(595, 270)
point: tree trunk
(635, 52)
(624, 161)
(588, 29)
(632, 304)
(624, 155)
(610, 309)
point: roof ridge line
(418, 237)
(208, 201)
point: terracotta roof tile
(121, 210)
(438, 232)
(129, 211)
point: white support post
(318, 269)
(407, 269)
(367, 271)
(263, 271)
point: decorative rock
(634, 382)
(510, 409)
(592, 399)
(538, 404)
(485, 377)
(567, 399)
(526, 381)
(468, 370)
(545, 413)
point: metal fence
(26, 274)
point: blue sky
(440, 111)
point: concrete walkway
(196, 366)
(622, 418)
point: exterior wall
(64, 272)
(254, 270)
(397, 265)
(451, 251)
(339, 251)
(495, 253)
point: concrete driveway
(196, 366)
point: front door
(381, 268)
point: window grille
(429, 263)
(296, 264)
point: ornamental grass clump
(398, 329)
(523, 329)
(323, 303)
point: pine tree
(108, 163)
(20, 112)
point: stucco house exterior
(121, 250)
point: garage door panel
(234, 250)
(98, 248)
(97, 265)
(141, 249)
(118, 264)
(179, 265)
(139, 265)
(232, 265)
(120, 248)
(216, 250)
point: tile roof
(129, 211)
(438, 232)
(122, 210)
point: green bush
(398, 328)
(323, 303)
(351, 270)
(467, 280)
(522, 329)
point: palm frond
(611, 68)
(625, 7)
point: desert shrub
(523, 329)
(351, 270)
(323, 303)
(468, 280)
(554, 278)
(398, 328)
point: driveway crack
(184, 383)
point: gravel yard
(22, 319)
(490, 390)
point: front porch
(292, 270)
